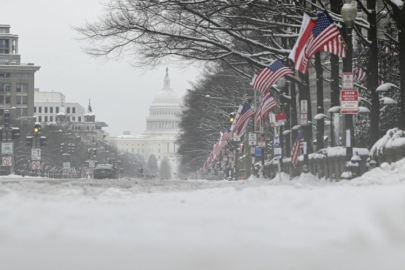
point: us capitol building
(162, 128)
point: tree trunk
(401, 38)
(372, 73)
(319, 102)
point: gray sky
(120, 95)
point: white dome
(166, 96)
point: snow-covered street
(198, 224)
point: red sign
(349, 101)
(281, 117)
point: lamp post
(349, 13)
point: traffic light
(28, 141)
(231, 117)
(241, 147)
(72, 147)
(42, 141)
(89, 153)
(119, 163)
(62, 147)
(15, 133)
(6, 118)
(94, 152)
(37, 129)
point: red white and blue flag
(336, 46)
(269, 75)
(323, 32)
(267, 104)
(242, 118)
(298, 144)
(359, 74)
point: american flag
(336, 46)
(323, 32)
(298, 144)
(267, 104)
(243, 116)
(359, 74)
(269, 75)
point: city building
(17, 80)
(47, 105)
(162, 128)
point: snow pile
(393, 173)
(394, 138)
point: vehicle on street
(103, 171)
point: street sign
(36, 165)
(281, 118)
(258, 152)
(92, 163)
(252, 138)
(66, 165)
(277, 146)
(349, 101)
(277, 152)
(262, 142)
(252, 150)
(7, 148)
(225, 158)
(272, 118)
(35, 154)
(6, 161)
(236, 138)
(347, 81)
(304, 113)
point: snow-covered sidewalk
(257, 224)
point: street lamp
(349, 12)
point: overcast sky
(120, 94)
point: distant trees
(165, 170)
(152, 164)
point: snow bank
(394, 138)
(303, 224)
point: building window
(45, 110)
(73, 118)
(22, 100)
(51, 118)
(5, 87)
(22, 87)
(68, 110)
(57, 109)
(40, 110)
(4, 74)
(39, 118)
(23, 75)
(35, 109)
(25, 112)
(74, 110)
(46, 118)
(51, 109)
(79, 119)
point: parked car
(105, 171)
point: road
(200, 224)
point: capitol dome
(164, 113)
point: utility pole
(35, 143)
(8, 135)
